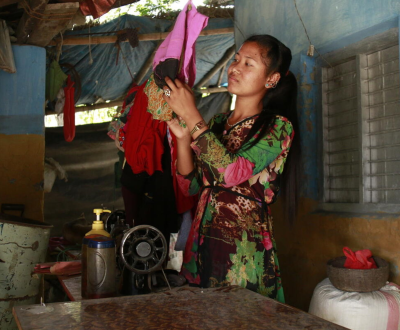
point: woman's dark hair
(281, 101)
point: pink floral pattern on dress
(238, 172)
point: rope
(59, 48)
(90, 49)
(123, 56)
(41, 16)
(308, 37)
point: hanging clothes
(143, 136)
(180, 45)
(150, 199)
(69, 111)
(96, 8)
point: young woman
(237, 169)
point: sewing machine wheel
(143, 249)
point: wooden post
(149, 62)
(6, 55)
(31, 17)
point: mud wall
(22, 97)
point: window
(361, 129)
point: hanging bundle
(69, 111)
(128, 34)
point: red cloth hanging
(96, 8)
(361, 259)
(69, 111)
(143, 142)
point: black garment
(150, 200)
(168, 68)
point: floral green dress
(231, 240)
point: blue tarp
(106, 79)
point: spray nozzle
(98, 212)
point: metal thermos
(101, 266)
(85, 243)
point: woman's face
(247, 75)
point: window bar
(350, 123)
(384, 117)
(342, 138)
(383, 160)
(384, 131)
(344, 163)
(341, 113)
(338, 101)
(381, 63)
(384, 174)
(342, 151)
(330, 91)
(382, 90)
(384, 103)
(382, 75)
(363, 116)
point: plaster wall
(318, 236)
(22, 97)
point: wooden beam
(6, 54)
(99, 106)
(149, 62)
(33, 9)
(221, 75)
(56, 18)
(211, 90)
(145, 68)
(142, 37)
(4, 3)
(228, 55)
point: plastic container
(23, 244)
(98, 225)
(101, 266)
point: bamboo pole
(99, 106)
(149, 62)
(211, 90)
(228, 55)
(73, 41)
(221, 74)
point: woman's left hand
(181, 99)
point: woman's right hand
(181, 133)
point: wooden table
(182, 308)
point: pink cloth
(187, 28)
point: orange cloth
(157, 106)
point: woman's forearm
(184, 157)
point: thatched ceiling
(37, 22)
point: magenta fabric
(187, 28)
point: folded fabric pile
(59, 268)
